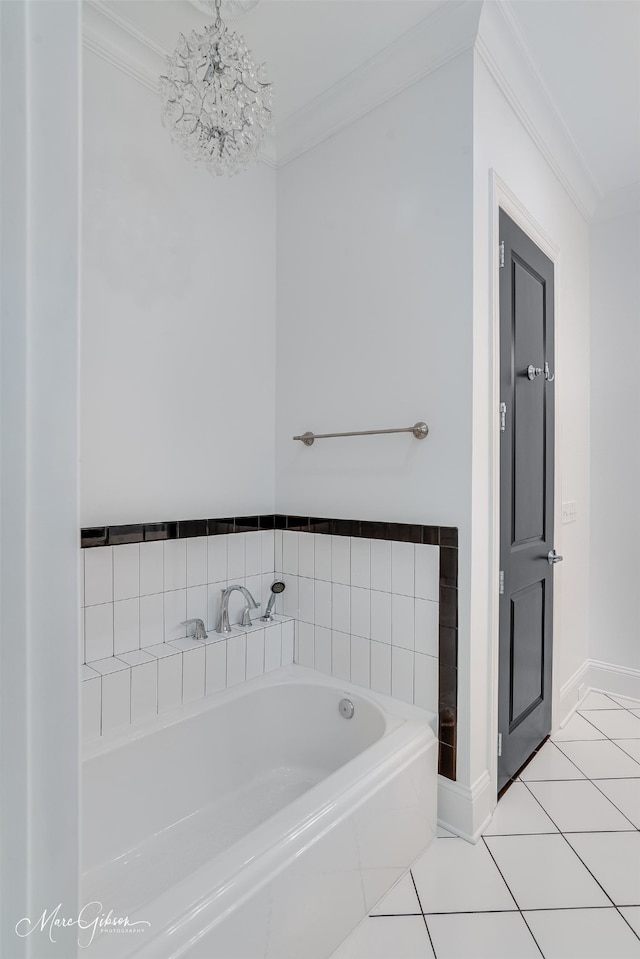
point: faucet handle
(200, 631)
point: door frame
(502, 197)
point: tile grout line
(424, 918)
(577, 854)
(486, 846)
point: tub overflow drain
(346, 708)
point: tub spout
(224, 626)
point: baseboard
(570, 693)
(465, 810)
(619, 680)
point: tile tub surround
(171, 570)
(134, 687)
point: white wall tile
(305, 642)
(175, 564)
(403, 621)
(126, 625)
(361, 562)
(116, 701)
(341, 560)
(169, 682)
(426, 631)
(254, 585)
(216, 559)
(341, 608)
(380, 616)
(306, 555)
(381, 565)
(235, 558)
(403, 568)
(340, 655)
(290, 552)
(144, 691)
(265, 592)
(381, 668)
(277, 549)
(175, 614)
(109, 665)
(322, 556)
(91, 709)
(267, 564)
(83, 648)
(151, 619)
(272, 647)
(196, 606)
(288, 642)
(402, 674)
(151, 568)
(322, 603)
(306, 600)
(288, 601)
(322, 649)
(197, 561)
(252, 553)
(126, 571)
(136, 657)
(426, 682)
(427, 572)
(360, 661)
(81, 576)
(216, 667)
(361, 612)
(236, 659)
(255, 653)
(214, 599)
(98, 575)
(98, 627)
(193, 667)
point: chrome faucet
(223, 623)
(200, 631)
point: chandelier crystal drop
(216, 103)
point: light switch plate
(569, 512)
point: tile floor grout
(440, 947)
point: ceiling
(586, 54)
(308, 45)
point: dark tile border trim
(446, 537)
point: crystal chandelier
(216, 102)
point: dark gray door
(526, 498)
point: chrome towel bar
(420, 431)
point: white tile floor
(557, 873)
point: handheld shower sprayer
(276, 588)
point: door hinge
(503, 417)
(501, 580)
(501, 253)
(499, 744)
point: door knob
(552, 557)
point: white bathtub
(259, 824)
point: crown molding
(501, 47)
(442, 36)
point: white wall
(374, 310)
(39, 196)
(614, 604)
(178, 320)
(502, 144)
